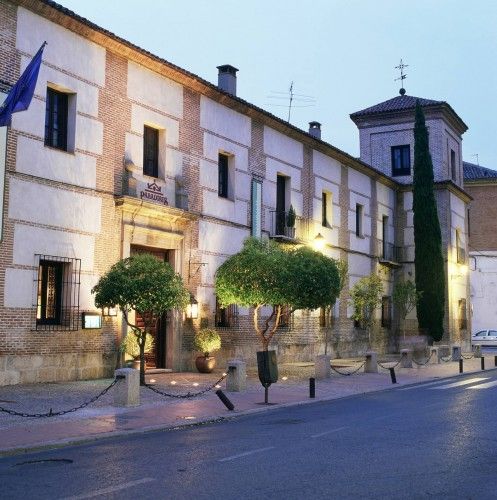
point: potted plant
(290, 222)
(130, 346)
(206, 341)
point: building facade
(122, 152)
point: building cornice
(449, 185)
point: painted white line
(458, 384)
(246, 453)
(111, 489)
(420, 386)
(328, 432)
(486, 385)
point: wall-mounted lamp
(109, 311)
(319, 242)
(192, 308)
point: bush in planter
(206, 341)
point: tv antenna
(402, 76)
(294, 100)
(476, 156)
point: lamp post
(192, 308)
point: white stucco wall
(282, 147)
(483, 279)
(154, 90)
(65, 49)
(42, 204)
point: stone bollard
(127, 390)
(371, 365)
(456, 352)
(434, 356)
(406, 358)
(322, 366)
(477, 351)
(236, 380)
(443, 351)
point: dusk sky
(342, 53)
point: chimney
(315, 129)
(226, 78)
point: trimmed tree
(143, 284)
(366, 298)
(264, 274)
(405, 297)
(428, 258)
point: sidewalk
(100, 419)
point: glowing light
(319, 242)
(189, 417)
(217, 386)
(224, 374)
(173, 382)
(284, 378)
(195, 384)
(152, 380)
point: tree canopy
(265, 274)
(428, 258)
(143, 284)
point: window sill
(227, 198)
(60, 150)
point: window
(57, 293)
(401, 160)
(326, 209)
(256, 208)
(385, 246)
(226, 316)
(453, 164)
(223, 171)
(359, 209)
(56, 119)
(150, 151)
(386, 312)
(463, 320)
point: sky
(341, 53)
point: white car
(485, 338)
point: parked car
(485, 338)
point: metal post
(495, 360)
(461, 368)
(392, 375)
(482, 362)
(220, 394)
(312, 387)
(266, 395)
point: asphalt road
(434, 440)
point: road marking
(486, 385)
(111, 489)
(420, 386)
(458, 384)
(246, 453)
(328, 432)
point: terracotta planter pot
(205, 364)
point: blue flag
(20, 95)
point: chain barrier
(446, 360)
(188, 394)
(423, 363)
(348, 373)
(388, 367)
(471, 356)
(62, 412)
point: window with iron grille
(386, 312)
(223, 172)
(151, 151)
(226, 316)
(359, 210)
(57, 292)
(56, 118)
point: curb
(61, 443)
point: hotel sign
(153, 192)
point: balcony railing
(280, 229)
(388, 252)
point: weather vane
(402, 76)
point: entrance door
(156, 358)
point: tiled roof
(398, 103)
(474, 172)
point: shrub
(130, 345)
(207, 341)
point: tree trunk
(142, 358)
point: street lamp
(319, 242)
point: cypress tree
(428, 258)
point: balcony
(388, 253)
(280, 230)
